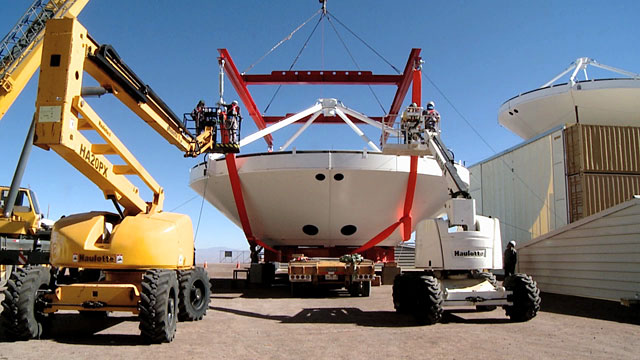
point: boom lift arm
(62, 113)
(142, 261)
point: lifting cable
(492, 149)
(354, 62)
(286, 38)
(204, 194)
(304, 46)
(365, 43)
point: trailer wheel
(297, 289)
(195, 294)
(355, 289)
(402, 293)
(428, 310)
(365, 288)
(159, 305)
(23, 314)
(526, 297)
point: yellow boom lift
(24, 240)
(140, 260)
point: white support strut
(356, 130)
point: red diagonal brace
(236, 187)
(406, 217)
(244, 94)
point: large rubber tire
(23, 315)
(195, 294)
(403, 295)
(486, 276)
(428, 309)
(365, 290)
(526, 297)
(159, 305)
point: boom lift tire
(23, 315)
(429, 308)
(159, 305)
(526, 297)
(402, 293)
(195, 293)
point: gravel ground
(268, 324)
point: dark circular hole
(348, 230)
(510, 113)
(515, 111)
(310, 230)
(338, 177)
(320, 177)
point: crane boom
(62, 113)
(21, 48)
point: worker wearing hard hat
(231, 124)
(509, 259)
(433, 117)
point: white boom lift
(456, 253)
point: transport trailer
(350, 271)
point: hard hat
(235, 102)
(512, 243)
(413, 105)
(431, 105)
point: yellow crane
(23, 238)
(140, 259)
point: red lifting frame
(412, 72)
(327, 77)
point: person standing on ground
(509, 259)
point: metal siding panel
(525, 188)
(531, 266)
(586, 274)
(600, 249)
(599, 259)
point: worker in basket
(231, 122)
(410, 124)
(198, 115)
(432, 117)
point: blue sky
(478, 53)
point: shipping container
(596, 257)
(602, 149)
(524, 187)
(592, 193)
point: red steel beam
(406, 213)
(403, 86)
(314, 77)
(241, 88)
(236, 188)
(321, 119)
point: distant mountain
(215, 255)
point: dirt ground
(266, 323)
